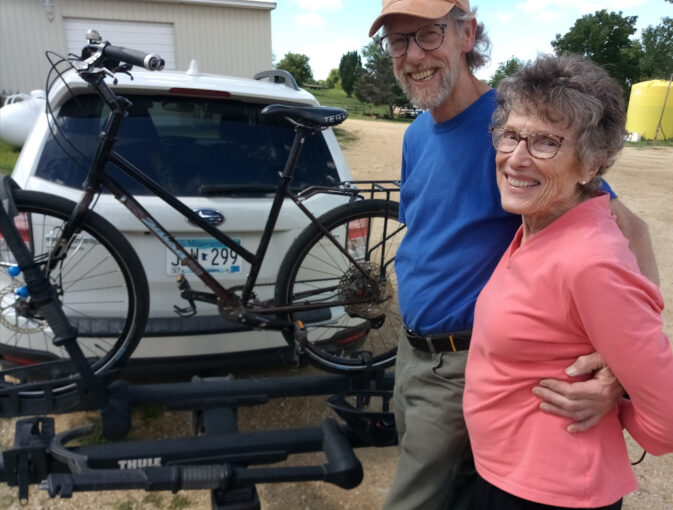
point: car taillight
(16, 360)
(23, 226)
(357, 238)
(351, 338)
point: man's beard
(428, 99)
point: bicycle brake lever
(124, 69)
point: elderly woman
(567, 285)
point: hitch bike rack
(220, 457)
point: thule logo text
(139, 463)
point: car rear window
(184, 143)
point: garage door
(150, 37)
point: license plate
(212, 255)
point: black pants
(489, 497)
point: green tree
(657, 45)
(332, 79)
(377, 83)
(605, 37)
(504, 70)
(350, 69)
(297, 65)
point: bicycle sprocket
(365, 294)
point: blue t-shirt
(456, 228)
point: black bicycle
(335, 297)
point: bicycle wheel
(360, 326)
(100, 284)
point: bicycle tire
(100, 284)
(347, 337)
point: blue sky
(326, 29)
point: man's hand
(586, 402)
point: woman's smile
(520, 182)
(540, 189)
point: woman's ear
(587, 174)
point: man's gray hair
(479, 54)
(574, 90)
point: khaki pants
(435, 460)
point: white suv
(187, 130)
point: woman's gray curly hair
(572, 89)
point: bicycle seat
(312, 117)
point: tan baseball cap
(428, 9)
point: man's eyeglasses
(428, 38)
(540, 145)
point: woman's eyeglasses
(428, 38)
(540, 145)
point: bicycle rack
(220, 458)
(355, 189)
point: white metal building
(230, 37)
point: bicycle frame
(240, 309)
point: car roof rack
(275, 75)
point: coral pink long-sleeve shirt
(573, 288)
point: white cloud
(523, 48)
(310, 19)
(319, 5)
(550, 17)
(504, 17)
(550, 10)
(320, 65)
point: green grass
(8, 157)
(124, 505)
(153, 499)
(356, 110)
(648, 144)
(344, 137)
(142, 418)
(178, 502)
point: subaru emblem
(212, 216)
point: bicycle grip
(150, 61)
(343, 468)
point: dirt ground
(644, 180)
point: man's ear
(468, 35)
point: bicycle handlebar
(98, 52)
(150, 61)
